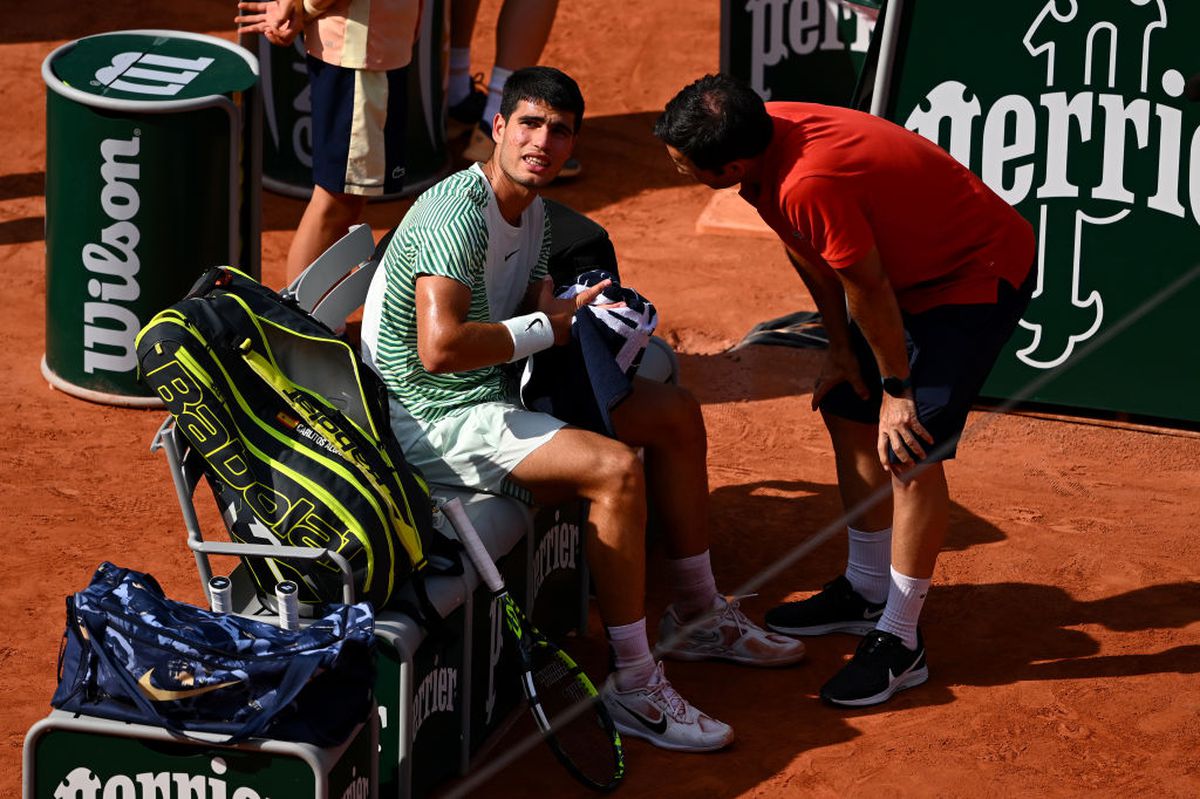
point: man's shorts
(474, 447)
(359, 121)
(951, 350)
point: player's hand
(562, 312)
(840, 366)
(902, 431)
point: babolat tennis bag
(293, 430)
(132, 654)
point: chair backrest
(332, 266)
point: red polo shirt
(837, 182)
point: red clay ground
(1064, 634)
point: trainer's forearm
(829, 295)
(873, 306)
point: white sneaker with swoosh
(657, 713)
(725, 633)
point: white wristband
(530, 333)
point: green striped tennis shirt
(454, 230)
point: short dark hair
(545, 85)
(715, 120)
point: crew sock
(869, 562)
(693, 587)
(460, 75)
(631, 655)
(906, 597)
(495, 94)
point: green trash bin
(287, 110)
(149, 181)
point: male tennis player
(463, 290)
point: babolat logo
(83, 783)
(556, 550)
(1106, 137)
(436, 694)
(113, 263)
(150, 73)
(781, 28)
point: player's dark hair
(715, 120)
(545, 85)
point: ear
(498, 126)
(735, 170)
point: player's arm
(447, 342)
(873, 305)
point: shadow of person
(754, 525)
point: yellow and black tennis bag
(293, 430)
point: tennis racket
(563, 701)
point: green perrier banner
(1078, 114)
(808, 50)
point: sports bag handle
(299, 671)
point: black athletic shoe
(466, 113)
(881, 666)
(838, 608)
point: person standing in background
(358, 54)
(521, 34)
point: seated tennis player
(463, 290)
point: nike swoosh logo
(166, 695)
(872, 614)
(703, 637)
(511, 254)
(656, 727)
(535, 323)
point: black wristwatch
(897, 386)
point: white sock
(693, 587)
(905, 599)
(495, 94)
(631, 654)
(460, 75)
(869, 563)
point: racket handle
(457, 514)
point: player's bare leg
(577, 463)
(666, 421)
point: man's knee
(664, 415)
(617, 471)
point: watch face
(896, 386)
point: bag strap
(299, 671)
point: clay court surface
(1064, 629)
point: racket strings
(572, 709)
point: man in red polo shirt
(920, 273)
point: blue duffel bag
(131, 654)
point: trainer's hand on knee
(839, 366)
(902, 431)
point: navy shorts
(359, 121)
(951, 350)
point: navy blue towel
(584, 380)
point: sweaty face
(533, 143)
(718, 179)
